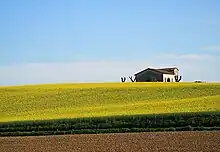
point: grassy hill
(55, 101)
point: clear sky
(51, 41)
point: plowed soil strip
(121, 142)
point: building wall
(149, 76)
(176, 72)
(170, 77)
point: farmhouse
(159, 75)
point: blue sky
(51, 41)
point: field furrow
(126, 142)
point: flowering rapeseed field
(53, 101)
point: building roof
(162, 71)
(169, 69)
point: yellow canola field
(55, 101)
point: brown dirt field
(121, 142)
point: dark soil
(202, 141)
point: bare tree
(132, 80)
(123, 79)
(177, 78)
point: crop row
(135, 123)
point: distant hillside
(105, 99)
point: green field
(55, 101)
